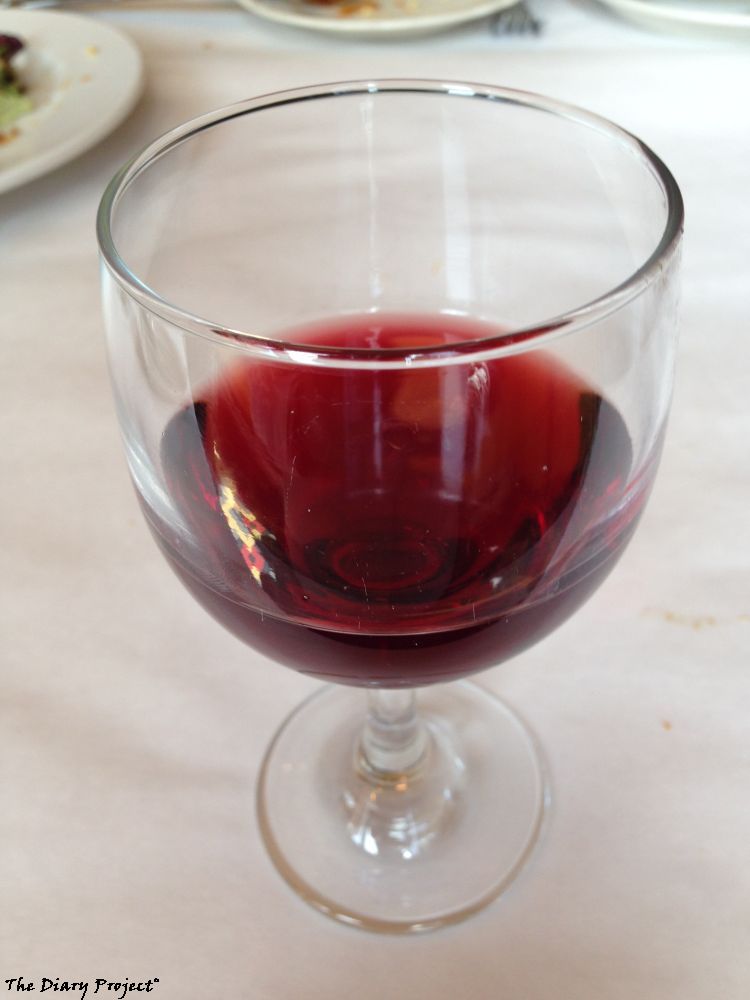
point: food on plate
(13, 100)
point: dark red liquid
(396, 526)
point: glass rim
(506, 342)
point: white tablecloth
(133, 726)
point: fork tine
(515, 20)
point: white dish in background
(83, 78)
(375, 17)
(723, 14)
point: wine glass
(392, 362)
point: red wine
(395, 525)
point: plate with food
(375, 17)
(65, 82)
(728, 15)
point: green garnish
(13, 101)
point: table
(133, 726)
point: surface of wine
(395, 525)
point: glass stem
(394, 739)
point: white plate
(375, 17)
(83, 78)
(726, 14)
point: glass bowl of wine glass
(392, 362)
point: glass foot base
(402, 852)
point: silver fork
(516, 20)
